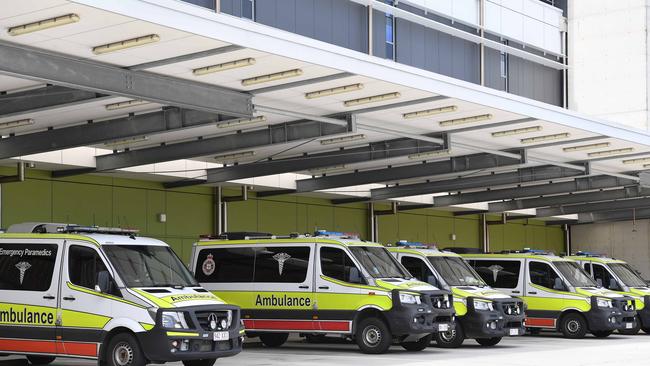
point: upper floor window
(248, 9)
(390, 33)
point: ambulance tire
(40, 360)
(633, 331)
(602, 334)
(450, 339)
(373, 336)
(208, 362)
(573, 326)
(418, 345)
(274, 340)
(488, 342)
(124, 350)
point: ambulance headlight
(405, 298)
(173, 320)
(483, 305)
(604, 303)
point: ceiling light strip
(43, 24)
(429, 154)
(127, 43)
(598, 154)
(127, 141)
(126, 104)
(636, 161)
(465, 120)
(334, 91)
(227, 157)
(430, 112)
(241, 122)
(555, 136)
(223, 66)
(271, 77)
(342, 139)
(517, 131)
(372, 99)
(599, 145)
(18, 123)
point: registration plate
(514, 331)
(220, 336)
(443, 327)
(629, 325)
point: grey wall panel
(210, 4)
(232, 7)
(534, 81)
(492, 67)
(339, 22)
(378, 34)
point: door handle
(516, 292)
(49, 297)
(532, 293)
(323, 287)
(303, 287)
(69, 298)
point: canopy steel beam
(623, 215)
(567, 199)
(456, 164)
(523, 175)
(51, 96)
(594, 207)
(273, 135)
(187, 57)
(579, 184)
(343, 201)
(401, 208)
(169, 119)
(374, 151)
(35, 64)
(278, 192)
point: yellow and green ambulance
(618, 276)
(558, 293)
(106, 294)
(327, 284)
(482, 313)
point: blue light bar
(336, 234)
(411, 244)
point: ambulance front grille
(205, 319)
(440, 301)
(512, 308)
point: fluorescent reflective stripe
(265, 324)
(182, 334)
(541, 322)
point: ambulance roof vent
(589, 254)
(59, 228)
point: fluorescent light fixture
(342, 139)
(127, 43)
(637, 161)
(224, 66)
(327, 169)
(126, 104)
(517, 131)
(128, 141)
(271, 77)
(241, 122)
(43, 24)
(18, 123)
(599, 145)
(555, 136)
(462, 121)
(598, 154)
(430, 154)
(235, 156)
(430, 112)
(372, 99)
(333, 91)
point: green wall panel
(277, 217)
(242, 216)
(319, 217)
(351, 220)
(156, 204)
(190, 213)
(27, 201)
(130, 208)
(82, 203)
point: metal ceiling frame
(45, 98)
(594, 207)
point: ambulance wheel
(274, 339)
(574, 326)
(452, 338)
(488, 342)
(418, 345)
(208, 362)
(602, 334)
(40, 360)
(124, 350)
(373, 336)
(633, 331)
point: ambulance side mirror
(599, 282)
(559, 285)
(613, 285)
(103, 282)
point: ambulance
(618, 276)
(328, 284)
(482, 313)
(106, 294)
(559, 295)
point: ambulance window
(498, 274)
(542, 274)
(419, 269)
(223, 265)
(604, 278)
(85, 266)
(281, 264)
(337, 264)
(27, 267)
(587, 267)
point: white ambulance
(106, 294)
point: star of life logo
(23, 267)
(209, 265)
(495, 271)
(281, 258)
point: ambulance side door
(85, 310)
(545, 299)
(504, 274)
(420, 269)
(29, 288)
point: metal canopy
(35, 64)
(623, 215)
(594, 207)
(48, 97)
(392, 174)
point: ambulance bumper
(418, 320)
(644, 314)
(507, 319)
(168, 345)
(611, 319)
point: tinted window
(378, 262)
(225, 265)
(27, 267)
(281, 264)
(336, 263)
(587, 267)
(542, 274)
(604, 278)
(455, 271)
(85, 266)
(419, 269)
(499, 274)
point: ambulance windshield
(627, 275)
(456, 272)
(379, 262)
(149, 266)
